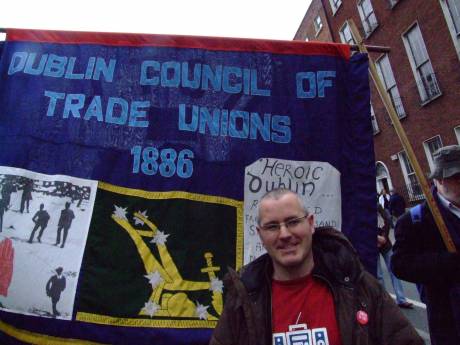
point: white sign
(317, 183)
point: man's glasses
(290, 224)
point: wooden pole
(405, 143)
(374, 49)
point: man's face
(289, 246)
(450, 188)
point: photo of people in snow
(44, 222)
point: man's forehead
(289, 199)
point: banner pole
(374, 49)
(405, 143)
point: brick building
(314, 26)
(421, 73)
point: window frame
(375, 125)
(427, 149)
(335, 5)
(446, 9)
(342, 35)
(392, 90)
(428, 90)
(368, 27)
(410, 178)
(318, 27)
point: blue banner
(131, 150)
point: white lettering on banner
(55, 66)
(318, 183)
(229, 79)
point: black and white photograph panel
(44, 222)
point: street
(417, 316)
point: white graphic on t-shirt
(301, 335)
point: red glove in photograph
(6, 265)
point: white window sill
(424, 103)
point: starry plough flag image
(154, 257)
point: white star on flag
(120, 212)
(154, 278)
(151, 308)
(138, 221)
(216, 285)
(201, 311)
(159, 238)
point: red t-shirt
(303, 309)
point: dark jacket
(397, 205)
(246, 318)
(41, 218)
(55, 286)
(383, 229)
(420, 256)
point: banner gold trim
(40, 339)
(129, 322)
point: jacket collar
(336, 261)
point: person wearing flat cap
(419, 253)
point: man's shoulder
(423, 211)
(253, 273)
(329, 234)
(418, 216)
(335, 257)
(248, 280)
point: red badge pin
(362, 317)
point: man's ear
(311, 222)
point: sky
(267, 19)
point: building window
(454, 11)
(431, 146)
(457, 133)
(451, 10)
(368, 18)
(375, 126)
(413, 187)
(335, 4)
(386, 74)
(425, 78)
(318, 25)
(345, 34)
